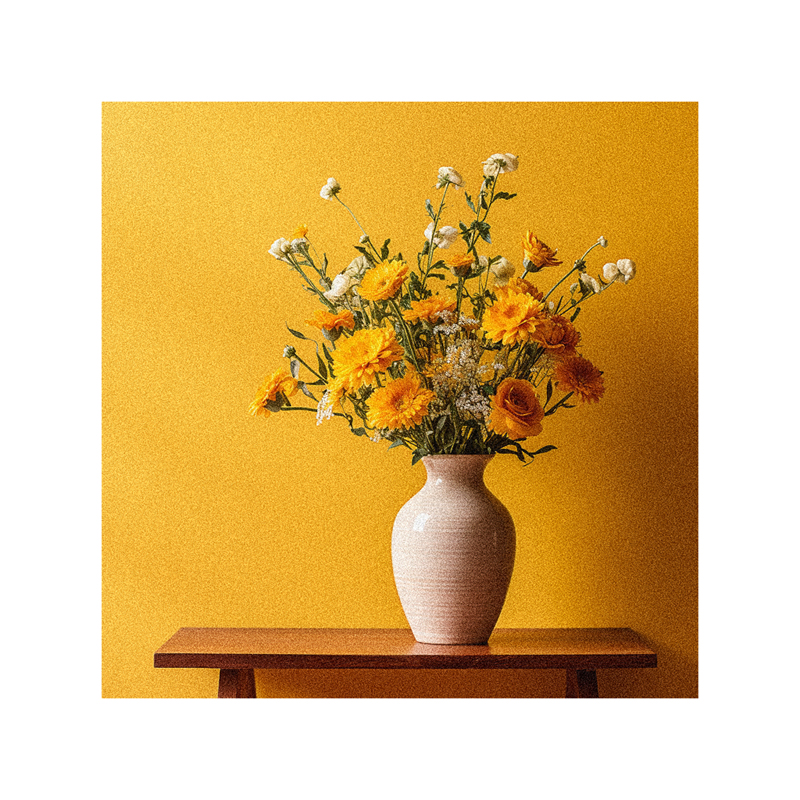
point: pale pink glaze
(453, 547)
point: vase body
(453, 547)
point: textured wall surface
(215, 518)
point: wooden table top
(396, 648)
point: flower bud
(589, 283)
(449, 175)
(279, 249)
(503, 270)
(364, 239)
(499, 162)
(330, 189)
(602, 241)
(289, 351)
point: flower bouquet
(450, 353)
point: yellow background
(215, 518)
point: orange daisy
(426, 310)
(279, 383)
(326, 321)
(399, 405)
(537, 254)
(358, 360)
(384, 280)
(577, 374)
(513, 318)
(557, 335)
(460, 265)
(519, 286)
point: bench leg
(581, 683)
(237, 683)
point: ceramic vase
(453, 547)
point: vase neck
(464, 470)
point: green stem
(310, 369)
(579, 263)
(432, 246)
(360, 226)
(406, 334)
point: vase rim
(487, 456)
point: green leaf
(577, 311)
(385, 249)
(429, 209)
(415, 457)
(294, 368)
(395, 443)
(503, 196)
(360, 432)
(549, 391)
(470, 203)
(364, 252)
(545, 449)
(323, 370)
(328, 356)
(296, 333)
(306, 391)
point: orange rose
(516, 410)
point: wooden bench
(236, 652)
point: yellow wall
(215, 518)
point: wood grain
(390, 648)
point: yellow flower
(299, 232)
(279, 383)
(426, 310)
(460, 265)
(513, 318)
(537, 254)
(358, 360)
(557, 335)
(516, 410)
(326, 321)
(519, 286)
(399, 405)
(384, 280)
(578, 374)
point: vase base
(450, 643)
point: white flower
(279, 249)
(589, 282)
(330, 189)
(449, 175)
(298, 245)
(357, 267)
(445, 236)
(341, 283)
(623, 271)
(602, 241)
(503, 270)
(499, 162)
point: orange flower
(384, 280)
(358, 360)
(516, 410)
(399, 405)
(578, 374)
(426, 310)
(279, 383)
(326, 321)
(557, 335)
(537, 254)
(513, 318)
(299, 232)
(460, 265)
(519, 286)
